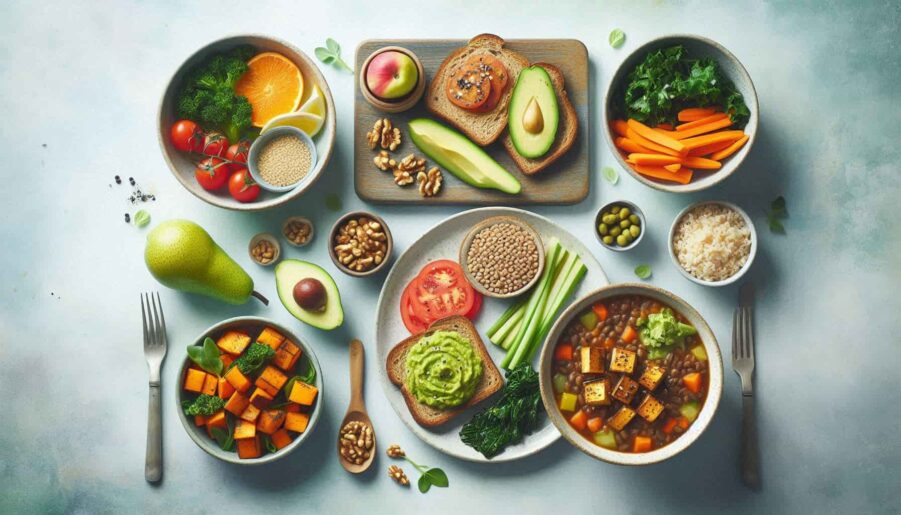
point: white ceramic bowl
(708, 410)
(741, 271)
(696, 46)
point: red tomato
(476, 306)
(242, 186)
(499, 80)
(468, 88)
(413, 324)
(186, 136)
(211, 173)
(237, 153)
(214, 144)
(441, 291)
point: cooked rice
(712, 242)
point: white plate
(442, 242)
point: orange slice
(272, 84)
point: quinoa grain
(284, 161)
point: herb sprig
(331, 54)
(430, 476)
(776, 214)
(206, 356)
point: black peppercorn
(118, 180)
(127, 218)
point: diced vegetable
(692, 382)
(271, 421)
(579, 420)
(650, 408)
(286, 356)
(200, 420)
(568, 401)
(245, 429)
(652, 376)
(225, 389)
(303, 393)
(271, 337)
(699, 352)
(629, 334)
(597, 393)
(210, 383)
(297, 422)
(592, 359)
(622, 360)
(249, 448)
(625, 390)
(642, 444)
(595, 424)
(238, 380)
(559, 383)
(233, 342)
(250, 413)
(281, 438)
(600, 310)
(621, 418)
(237, 403)
(227, 360)
(260, 398)
(605, 438)
(588, 320)
(690, 410)
(563, 352)
(271, 380)
(669, 425)
(194, 380)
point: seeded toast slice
(482, 128)
(490, 383)
(567, 129)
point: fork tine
(748, 339)
(144, 319)
(156, 321)
(736, 320)
(162, 319)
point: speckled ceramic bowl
(696, 46)
(708, 410)
(199, 435)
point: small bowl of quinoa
(502, 257)
(282, 159)
(713, 243)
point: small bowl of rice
(713, 243)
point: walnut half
(430, 183)
(384, 134)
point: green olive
(629, 238)
(624, 213)
(603, 229)
(609, 219)
(635, 219)
(608, 240)
(635, 231)
(625, 224)
(614, 210)
(621, 240)
(615, 231)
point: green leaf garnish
(777, 212)
(643, 271)
(223, 438)
(610, 174)
(331, 54)
(617, 38)
(206, 356)
(142, 218)
(437, 477)
(203, 405)
(269, 445)
(253, 358)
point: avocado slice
(533, 115)
(461, 157)
(292, 271)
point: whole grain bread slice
(567, 129)
(490, 383)
(482, 128)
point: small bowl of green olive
(619, 225)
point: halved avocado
(533, 115)
(290, 272)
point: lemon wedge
(311, 124)
(315, 104)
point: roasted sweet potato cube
(650, 408)
(237, 379)
(210, 382)
(250, 413)
(227, 360)
(271, 337)
(245, 429)
(249, 448)
(652, 376)
(225, 388)
(292, 407)
(236, 404)
(286, 355)
(271, 380)
(200, 420)
(303, 393)
(260, 398)
(233, 342)
(592, 360)
(625, 390)
(597, 393)
(194, 380)
(216, 420)
(281, 438)
(271, 420)
(621, 418)
(296, 422)
(622, 360)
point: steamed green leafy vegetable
(253, 358)
(203, 405)
(662, 333)
(668, 81)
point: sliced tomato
(497, 75)
(468, 88)
(413, 324)
(442, 291)
(476, 306)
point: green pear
(183, 256)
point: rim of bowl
(389, 241)
(463, 257)
(259, 143)
(735, 161)
(635, 210)
(209, 446)
(741, 271)
(319, 80)
(707, 412)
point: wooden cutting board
(564, 182)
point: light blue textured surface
(85, 80)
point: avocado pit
(310, 294)
(532, 119)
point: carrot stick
(619, 127)
(653, 159)
(722, 123)
(683, 176)
(701, 121)
(709, 149)
(665, 132)
(694, 113)
(716, 137)
(656, 137)
(700, 163)
(664, 126)
(627, 145)
(650, 145)
(731, 149)
(673, 167)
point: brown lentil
(503, 258)
(284, 160)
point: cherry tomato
(237, 153)
(469, 87)
(214, 144)
(413, 324)
(211, 173)
(186, 136)
(441, 291)
(242, 186)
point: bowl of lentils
(282, 158)
(502, 257)
(619, 225)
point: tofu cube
(652, 376)
(625, 390)
(650, 408)
(592, 360)
(621, 418)
(596, 393)
(622, 360)
(233, 342)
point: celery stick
(509, 326)
(535, 309)
(557, 285)
(511, 336)
(507, 314)
(574, 278)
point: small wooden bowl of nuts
(298, 231)
(264, 249)
(502, 257)
(360, 244)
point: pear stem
(260, 297)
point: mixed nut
(264, 252)
(397, 474)
(356, 442)
(503, 258)
(387, 138)
(298, 231)
(361, 244)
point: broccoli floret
(203, 405)
(253, 358)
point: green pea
(635, 231)
(625, 224)
(621, 240)
(615, 231)
(624, 213)
(603, 229)
(609, 219)
(635, 219)
(608, 240)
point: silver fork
(743, 364)
(155, 352)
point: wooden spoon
(356, 411)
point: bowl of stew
(631, 374)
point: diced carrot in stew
(669, 425)
(579, 420)
(600, 310)
(642, 444)
(684, 423)
(563, 352)
(692, 381)
(629, 334)
(609, 343)
(595, 424)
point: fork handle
(750, 474)
(153, 465)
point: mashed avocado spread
(443, 369)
